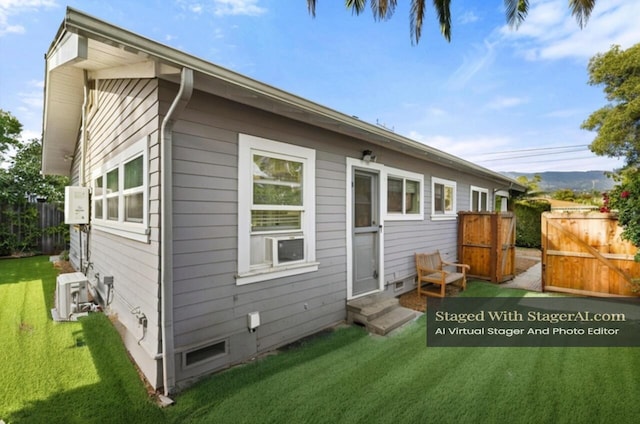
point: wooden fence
(583, 253)
(486, 242)
(49, 216)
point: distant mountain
(579, 181)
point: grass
(342, 376)
(351, 377)
(61, 372)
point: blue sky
(508, 100)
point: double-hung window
(276, 216)
(120, 194)
(479, 199)
(404, 195)
(443, 201)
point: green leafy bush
(625, 199)
(528, 216)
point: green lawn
(79, 372)
(71, 372)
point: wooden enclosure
(584, 253)
(486, 242)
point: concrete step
(368, 309)
(393, 319)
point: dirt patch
(525, 259)
(64, 267)
(528, 252)
(411, 299)
(523, 264)
(25, 327)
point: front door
(366, 228)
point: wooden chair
(430, 268)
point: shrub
(528, 217)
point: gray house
(228, 217)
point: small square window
(404, 195)
(479, 199)
(443, 202)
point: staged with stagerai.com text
(531, 316)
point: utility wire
(548, 160)
(530, 155)
(538, 149)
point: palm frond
(582, 9)
(417, 19)
(383, 9)
(311, 7)
(443, 10)
(516, 11)
(356, 6)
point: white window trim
(479, 190)
(446, 215)
(504, 194)
(389, 172)
(135, 231)
(246, 144)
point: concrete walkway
(531, 279)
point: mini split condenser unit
(71, 293)
(285, 250)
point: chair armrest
(463, 266)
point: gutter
(166, 228)
(292, 104)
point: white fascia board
(146, 69)
(71, 49)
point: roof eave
(299, 108)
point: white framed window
(404, 195)
(443, 198)
(120, 194)
(479, 199)
(501, 199)
(276, 209)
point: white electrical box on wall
(76, 205)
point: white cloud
(195, 8)
(223, 7)
(493, 152)
(506, 102)
(483, 57)
(28, 135)
(10, 8)
(563, 113)
(436, 112)
(237, 7)
(550, 32)
(465, 147)
(468, 17)
(32, 99)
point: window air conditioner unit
(284, 250)
(71, 292)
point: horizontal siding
(208, 303)
(125, 112)
(209, 306)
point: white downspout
(83, 141)
(166, 228)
